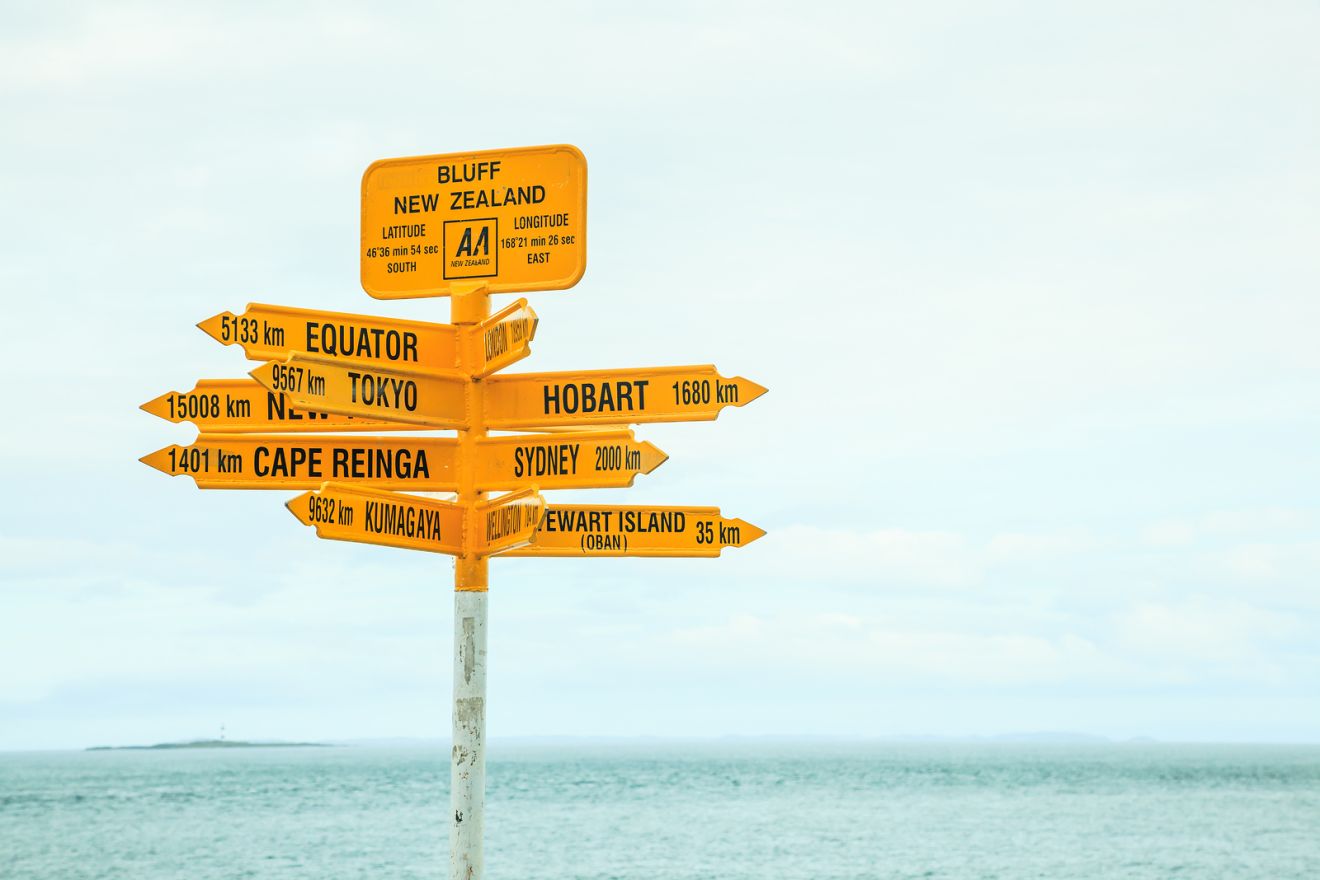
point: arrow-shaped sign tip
(262, 375)
(157, 459)
(749, 390)
(157, 406)
(300, 508)
(536, 322)
(211, 326)
(652, 456)
(747, 533)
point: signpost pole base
(468, 766)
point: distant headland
(212, 744)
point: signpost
(590, 460)
(241, 406)
(294, 461)
(346, 512)
(645, 394)
(465, 226)
(586, 460)
(365, 391)
(497, 220)
(601, 530)
(272, 333)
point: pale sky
(1034, 287)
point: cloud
(1209, 641)
(878, 556)
(885, 651)
(908, 557)
(1275, 521)
(1039, 546)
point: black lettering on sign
(467, 172)
(293, 461)
(358, 463)
(469, 248)
(561, 519)
(545, 461)
(345, 340)
(278, 411)
(383, 391)
(603, 542)
(416, 204)
(410, 230)
(388, 518)
(641, 521)
(497, 341)
(595, 397)
(503, 521)
(463, 200)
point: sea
(670, 810)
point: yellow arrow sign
(343, 512)
(595, 460)
(508, 522)
(290, 461)
(353, 389)
(503, 338)
(588, 460)
(377, 516)
(240, 406)
(601, 530)
(503, 220)
(269, 332)
(646, 394)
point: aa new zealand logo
(471, 249)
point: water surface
(665, 811)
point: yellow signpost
(354, 389)
(586, 460)
(292, 461)
(517, 401)
(498, 220)
(269, 333)
(592, 460)
(645, 394)
(241, 406)
(462, 225)
(502, 339)
(614, 530)
(347, 512)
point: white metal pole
(468, 767)
(467, 774)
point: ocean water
(672, 810)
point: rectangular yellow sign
(343, 512)
(613, 397)
(502, 220)
(241, 406)
(291, 461)
(620, 530)
(355, 389)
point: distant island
(212, 744)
